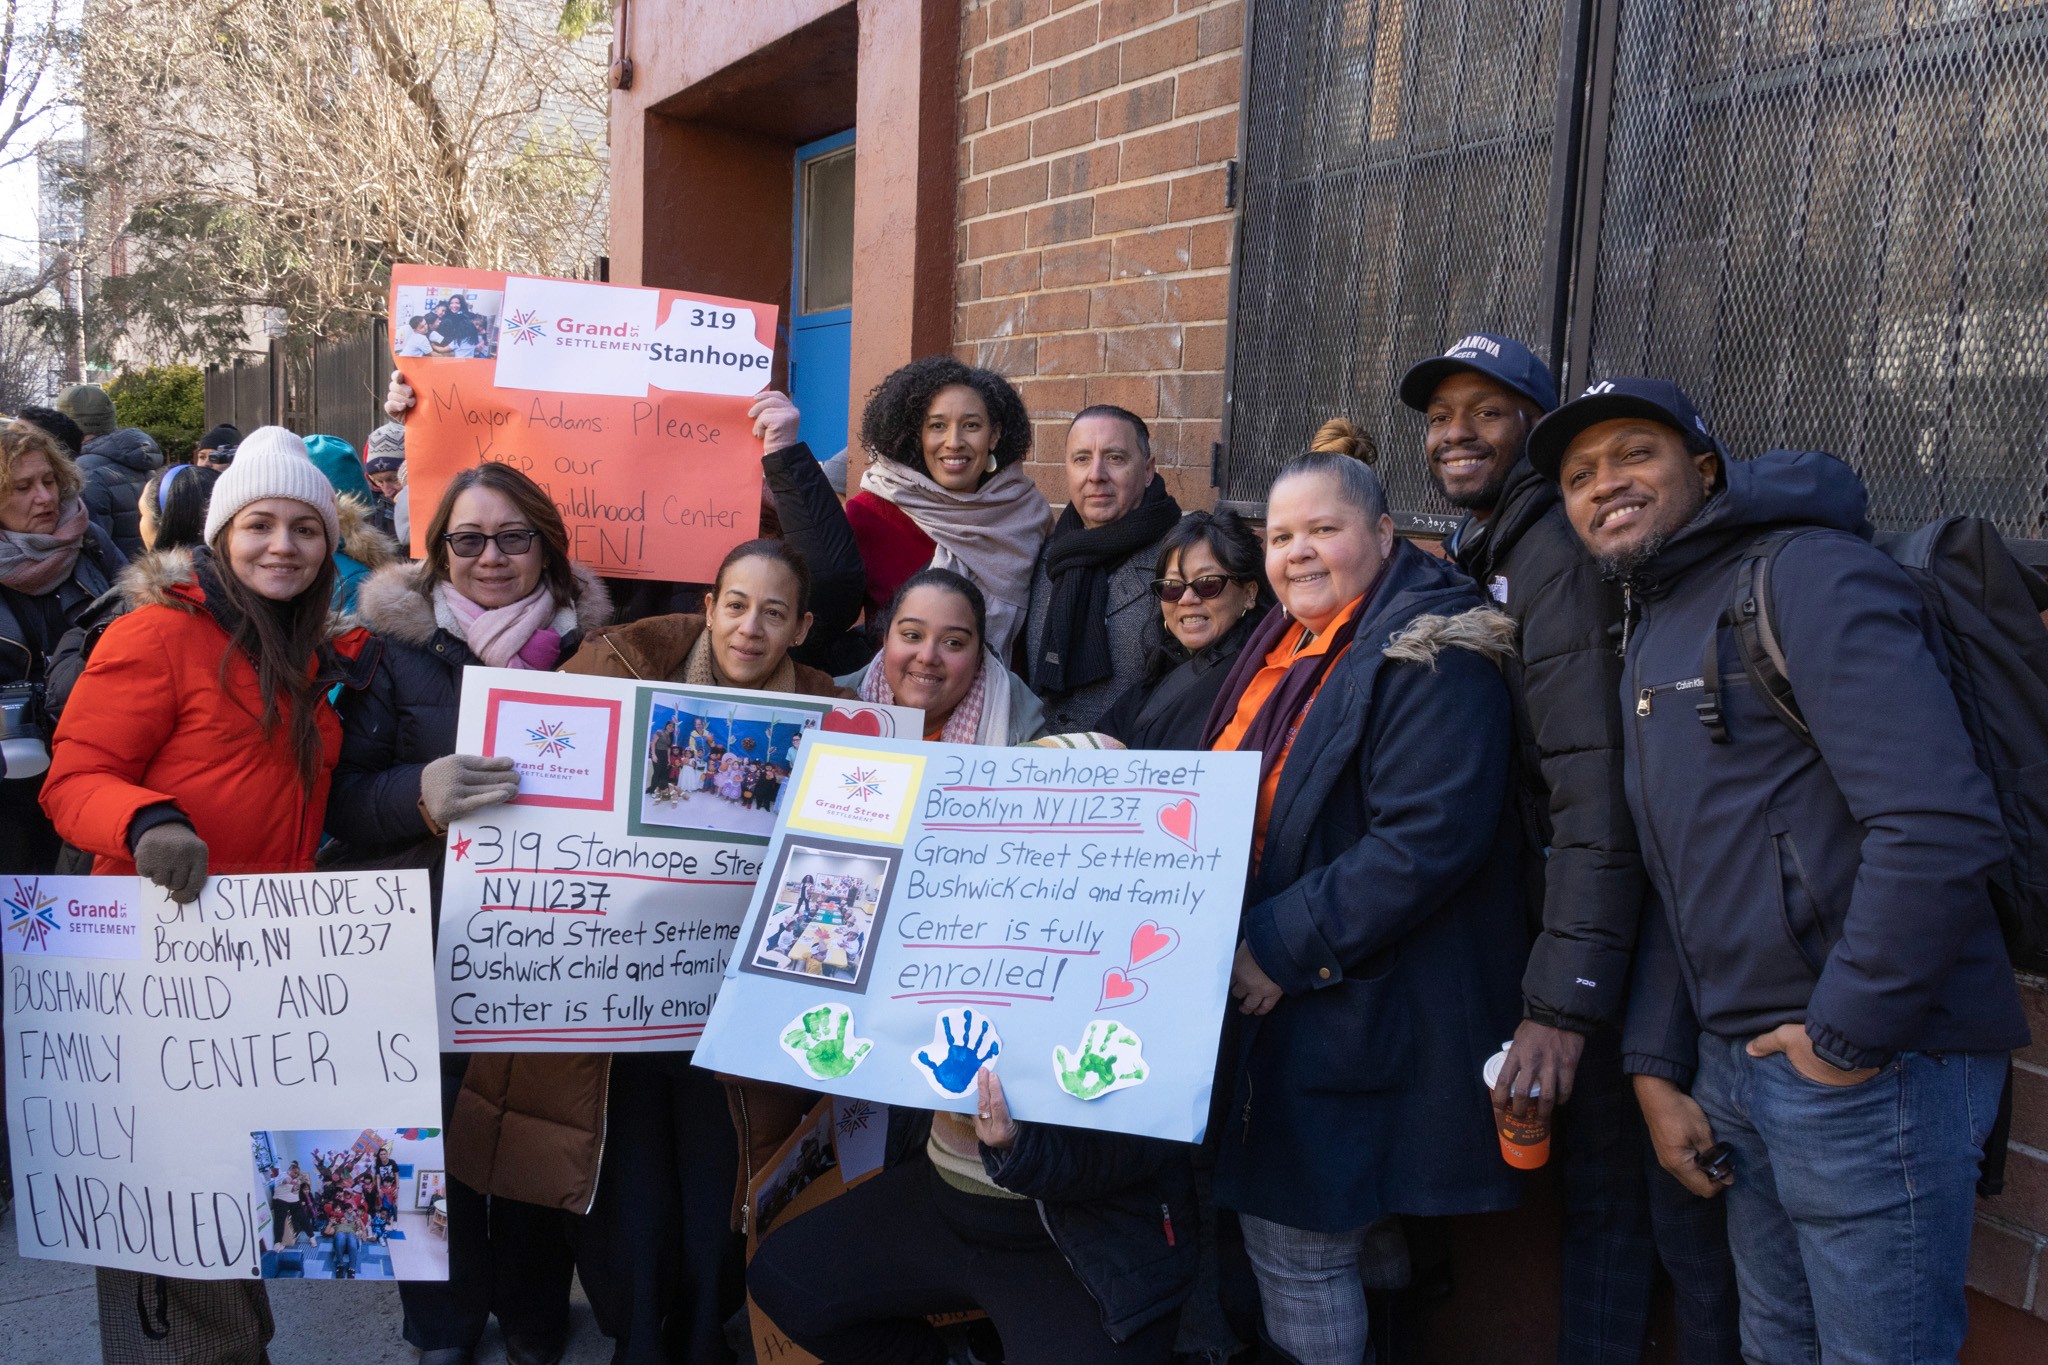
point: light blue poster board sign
(1067, 917)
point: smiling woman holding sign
(643, 1142)
(1382, 933)
(1079, 1245)
(935, 656)
(199, 741)
(496, 589)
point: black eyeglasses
(470, 544)
(1208, 587)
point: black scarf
(1073, 650)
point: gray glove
(174, 857)
(452, 787)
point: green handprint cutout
(1111, 1058)
(821, 1041)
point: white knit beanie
(272, 462)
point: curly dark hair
(892, 424)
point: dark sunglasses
(1208, 587)
(470, 544)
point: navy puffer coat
(1387, 907)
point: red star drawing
(461, 847)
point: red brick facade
(2009, 1256)
(1094, 232)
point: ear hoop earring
(991, 462)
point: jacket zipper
(1648, 695)
(1072, 1269)
(1653, 848)
(604, 1123)
(739, 1093)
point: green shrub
(167, 401)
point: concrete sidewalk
(48, 1312)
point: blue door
(821, 302)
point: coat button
(1324, 973)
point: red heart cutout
(1178, 820)
(1149, 941)
(1119, 990)
(864, 721)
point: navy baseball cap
(1496, 357)
(1658, 400)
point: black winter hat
(67, 432)
(225, 436)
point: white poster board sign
(597, 910)
(156, 1053)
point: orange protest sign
(629, 406)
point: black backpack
(1988, 607)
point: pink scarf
(33, 564)
(516, 636)
(965, 725)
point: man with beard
(1480, 400)
(1825, 974)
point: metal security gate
(1822, 217)
(1826, 220)
(1397, 160)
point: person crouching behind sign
(935, 656)
(1080, 1246)
(642, 1143)
(1382, 942)
(199, 741)
(496, 589)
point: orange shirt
(1279, 659)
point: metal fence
(1822, 217)
(333, 387)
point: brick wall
(1094, 238)
(2009, 1254)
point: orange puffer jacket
(151, 722)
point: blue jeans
(1850, 1214)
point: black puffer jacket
(1568, 787)
(406, 717)
(116, 466)
(1120, 1209)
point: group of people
(450, 328)
(679, 766)
(349, 1198)
(822, 930)
(1753, 977)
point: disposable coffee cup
(1524, 1143)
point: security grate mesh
(1824, 218)
(1397, 172)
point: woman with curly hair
(946, 491)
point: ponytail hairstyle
(1339, 437)
(282, 639)
(174, 506)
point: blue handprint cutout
(951, 1062)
